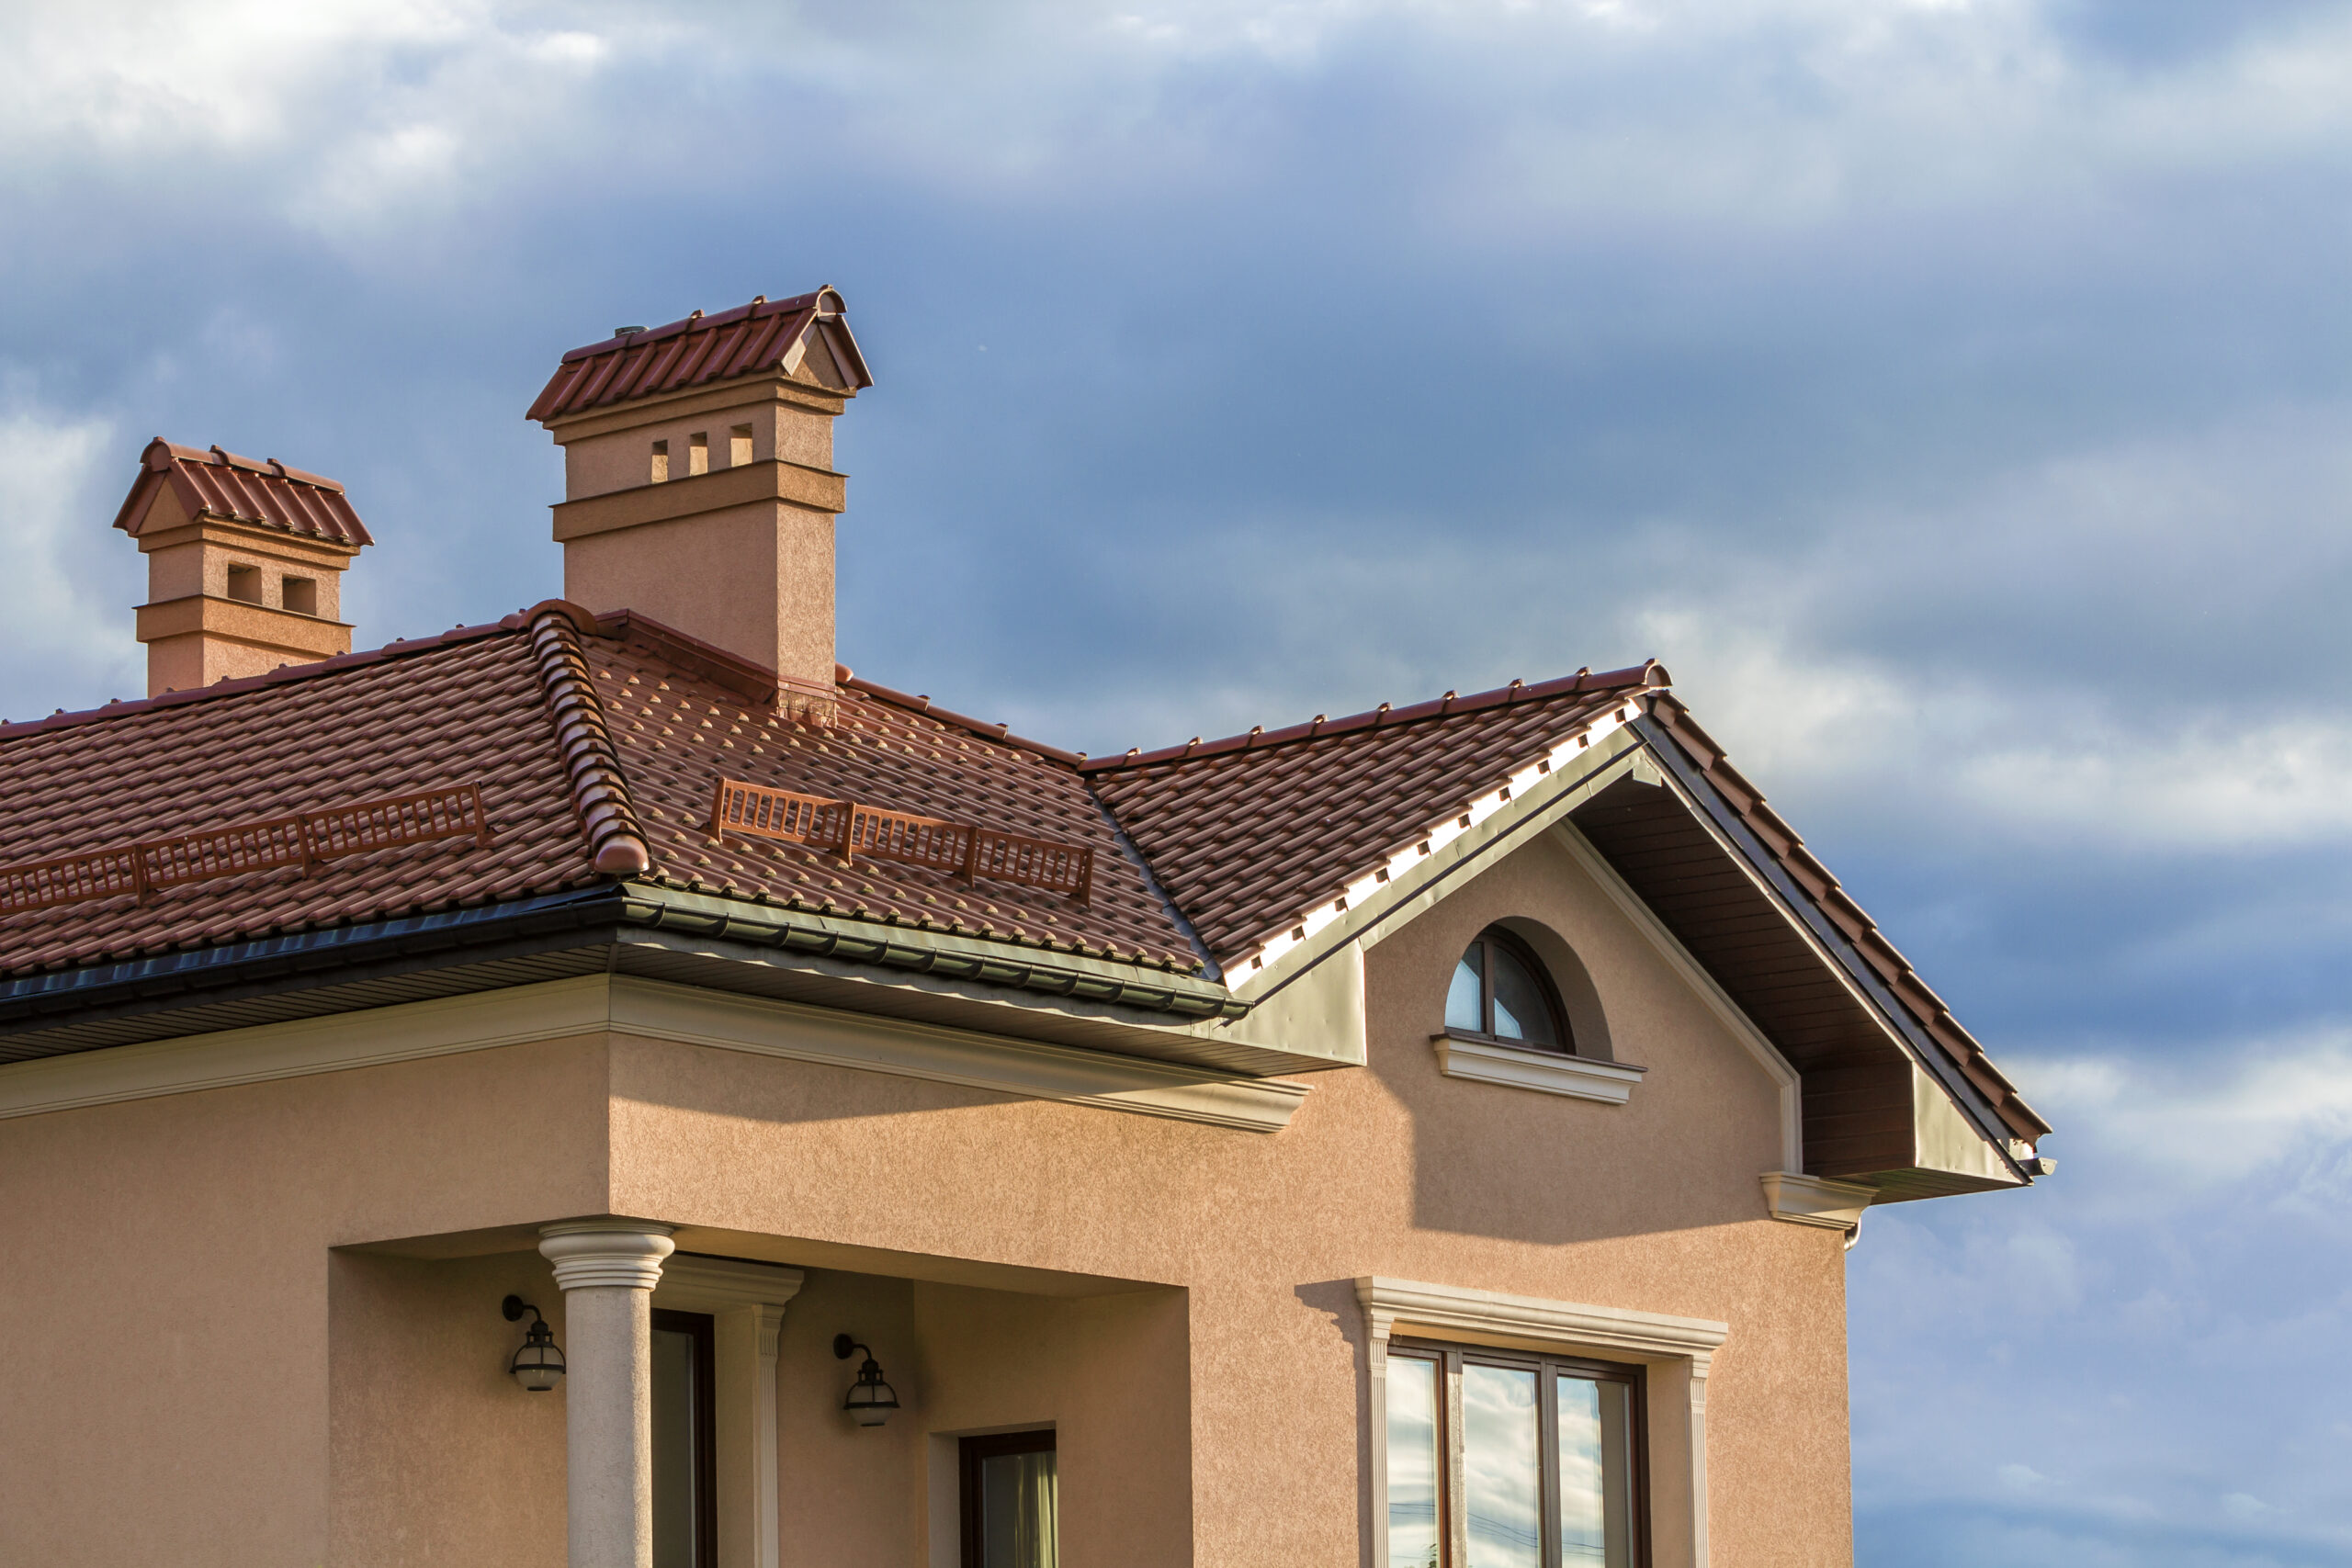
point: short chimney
(700, 488)
(245, 564)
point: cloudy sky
(1955, 394)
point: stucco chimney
(245, 564)
(700, 488)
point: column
(606, 1270)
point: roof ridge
(1648, 674)
(844, 676)
(600, 794)
(399, 647)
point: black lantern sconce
(870, 1400)
(539, 1365)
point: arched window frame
(1498, 935)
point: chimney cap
(638, 362)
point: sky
(1956, 395)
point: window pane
(1520, 1011)
(1465, 1000)
(673, 1449)
(1596, 1474)
(1502, 1467)
(1412, 1463)
(1017, 1506)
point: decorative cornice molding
(1815, 1200)
(592, 1254)
(1612, 1332)
(1545, 1072)
(694, 1283)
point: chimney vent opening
(738, 446)
(698, 453)
(301, 595)
(244, 583)
(660, 462)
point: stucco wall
(1223, 1404)
(165, 1303)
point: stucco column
(606, 1270)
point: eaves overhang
(720, 944)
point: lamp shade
(539, 1363)
(870, 1400)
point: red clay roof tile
(213, 484)
(697, 351)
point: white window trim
(1545, 1072)
(1677, 1350)
(746, 1303)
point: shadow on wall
(1335, 1299)
(1682, 1153)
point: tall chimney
(245, 564)
(699, 488)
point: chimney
(245, 564)
(699, 488)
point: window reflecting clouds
(1502, 1466)
(1412, 1463)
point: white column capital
(588, 1253)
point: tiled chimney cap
(697, 351)
(211, 482)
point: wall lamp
(870, 1400)
(539, 1365)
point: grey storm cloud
(1955, 394)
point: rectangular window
(685, 1434)
(245, 582)
(1504, 1461)
(698, 453)
(738, 446)
(1009, 1501)
(301, 595)
(660, 462)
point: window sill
(1481, 1060)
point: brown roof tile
(1247, 833)
(678, 732)
(467, 708)
(694, 352)
(213, 484)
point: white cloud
(70, 630)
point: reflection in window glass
(1412, 1463)
(1017, 1510)
(1596, 1464)
(1502, 1464)
(1465, 1000)
(1520, 1010)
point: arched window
(1500, 991)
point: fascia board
(1716, 816)
(1001, 965)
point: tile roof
(1250, 832)
(463, 708)
(697, 351)
(597, 746)
(213, 484)
(677, 732)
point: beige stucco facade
(256, 1323)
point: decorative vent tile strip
(306, 840)
(851, 830)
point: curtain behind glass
(1018, 1527)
